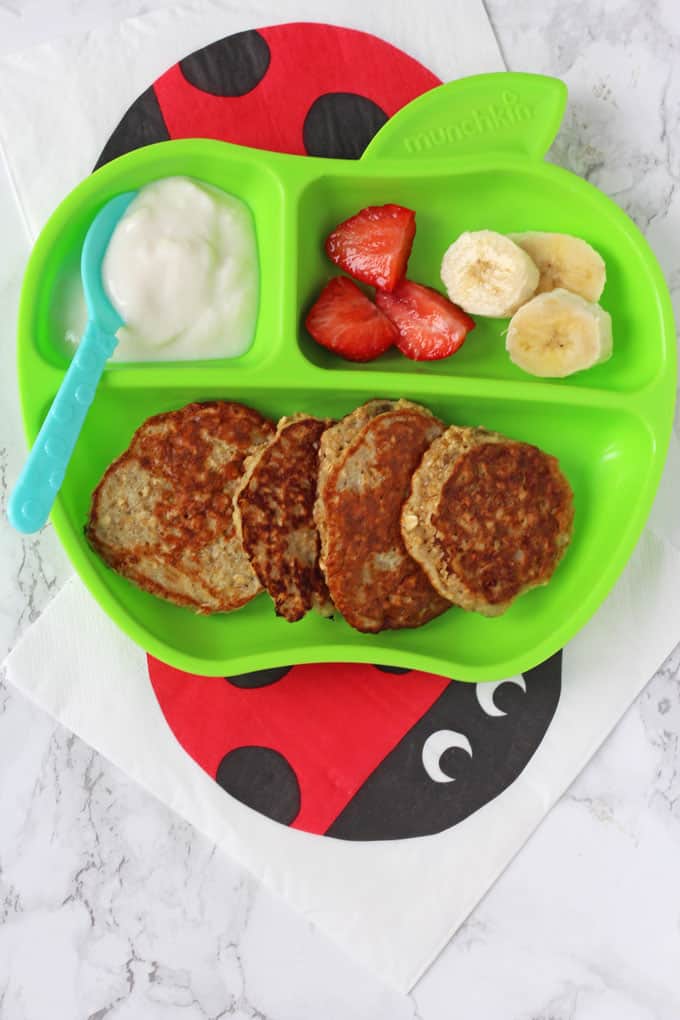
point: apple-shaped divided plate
(466, 156)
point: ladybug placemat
(381, 803)
(351, 751)
(308, 89)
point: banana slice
(565, 261)
(488, 274)
(558, 333)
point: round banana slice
(564, 261)
(488, 274)
(558, 333)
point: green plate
(466, 156)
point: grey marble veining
(110, 906)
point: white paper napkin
(95, 681)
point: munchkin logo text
(485, 120)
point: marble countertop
(111, 906)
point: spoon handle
(43, 472)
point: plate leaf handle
(486, 114)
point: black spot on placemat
(231, 66)
(259, 677)
(261, 779)
(341, 124)
(142, 124)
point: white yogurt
(181, 268)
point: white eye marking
(485, 693)
(434, 747)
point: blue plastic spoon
(40, 481)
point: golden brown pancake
(488, 518)
(366, 465)
(163, 515)
(274, 516)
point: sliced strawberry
(430, 326)
(374, 245)
(345, 321)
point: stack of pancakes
(388, 516)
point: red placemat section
(302, 88)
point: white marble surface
(110, 906)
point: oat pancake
(488, 518)
(367, 461)
(162, 515)
(274, 517)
